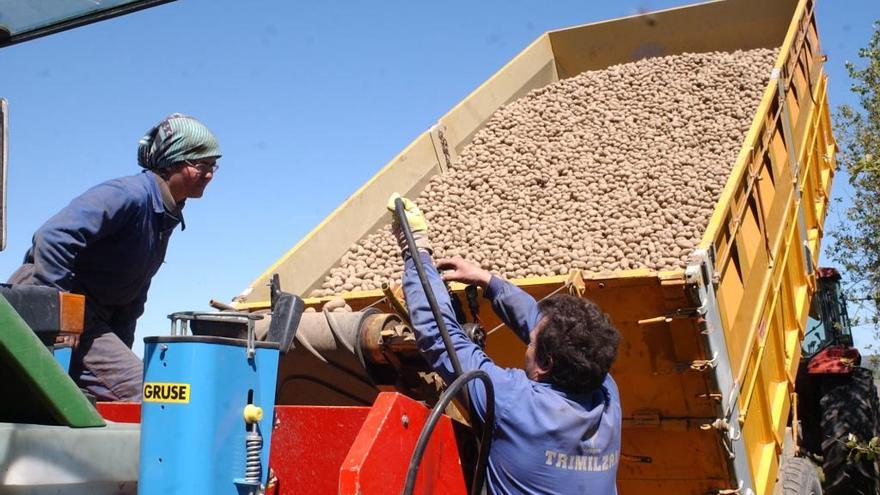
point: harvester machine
(278, 394)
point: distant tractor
(836, 395)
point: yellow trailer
(709, 354)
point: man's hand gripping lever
(417, 224)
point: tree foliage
(856, 247)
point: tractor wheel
(798, 476)
(849, 407)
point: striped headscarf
(177, 138)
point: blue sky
(308, 100)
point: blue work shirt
(545, 440)
(107, 244)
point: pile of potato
(613, 169)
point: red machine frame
(349, 450)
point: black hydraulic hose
(485, 440)
(429, 293)
(457, 385)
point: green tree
(856, 247)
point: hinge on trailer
(731, 491)
(729, 434)
(693, 283)
(705, 364)
(697, 276)
(721, 424)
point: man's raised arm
(514, 306)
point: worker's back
(547, 441)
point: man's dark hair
(577, 342)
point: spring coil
(253, 446)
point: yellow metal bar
(749, 389)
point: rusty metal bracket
(643, 459)
(392, 295)
(441, 147)
(575, 283)
(721, 424)
(682, 313)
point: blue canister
(194, 435)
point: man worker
(558, 422)
(108, 243)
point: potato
(610, 169)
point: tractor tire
(849, 407)
(798, 476)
